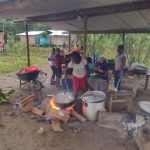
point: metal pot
(64, 99)
(92, 102)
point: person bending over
(78, 64)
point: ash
(132, 123)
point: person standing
(58, 67)
(120, 65)
(78, 64)
(52, 65)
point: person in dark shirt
(58, 67)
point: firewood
(28, 99)
(37, 111)
(78, 116)
(60, 114)
(27, 104)
(57, 125)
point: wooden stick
(78, 116)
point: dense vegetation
(137, 46)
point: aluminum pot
(92, 102)
(64, 99)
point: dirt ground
(20, 132)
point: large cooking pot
(92, 102)
(64, 99)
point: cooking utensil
(64, 99)
(92, 102)
(145, 105)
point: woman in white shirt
(78, 64)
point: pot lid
(145, 105)
(93, 96)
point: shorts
(58, 72)
(79, 83)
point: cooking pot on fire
(64, 99)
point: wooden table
(147, 79)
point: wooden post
(69, 42)
(85, 35)
(123, 38)
(27, 44)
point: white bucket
(92, 102)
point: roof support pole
(85, 35)
(27, 44)
(123, 38)
(69, 42)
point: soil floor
(20, 131)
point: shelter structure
(80, 16)
(54, 37)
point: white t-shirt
(79, 70)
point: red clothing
(1, 45)
(57, 60)
(78, 49)
(79, 83)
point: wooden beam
(94, 11)
(27, 44)
(85, 35)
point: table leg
(146, 82)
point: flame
(53, 105)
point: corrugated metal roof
(121, 20)
(30, 33)
(54, 33)
(28, 8)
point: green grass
(11, 62)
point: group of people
(80, 68)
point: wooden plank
(37, 111)
(110, 120)
(146, 82)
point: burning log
(78, 116)
(59, 114)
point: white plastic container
(92, 102)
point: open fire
(54, 106)
(61, 116)
(52, 103)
